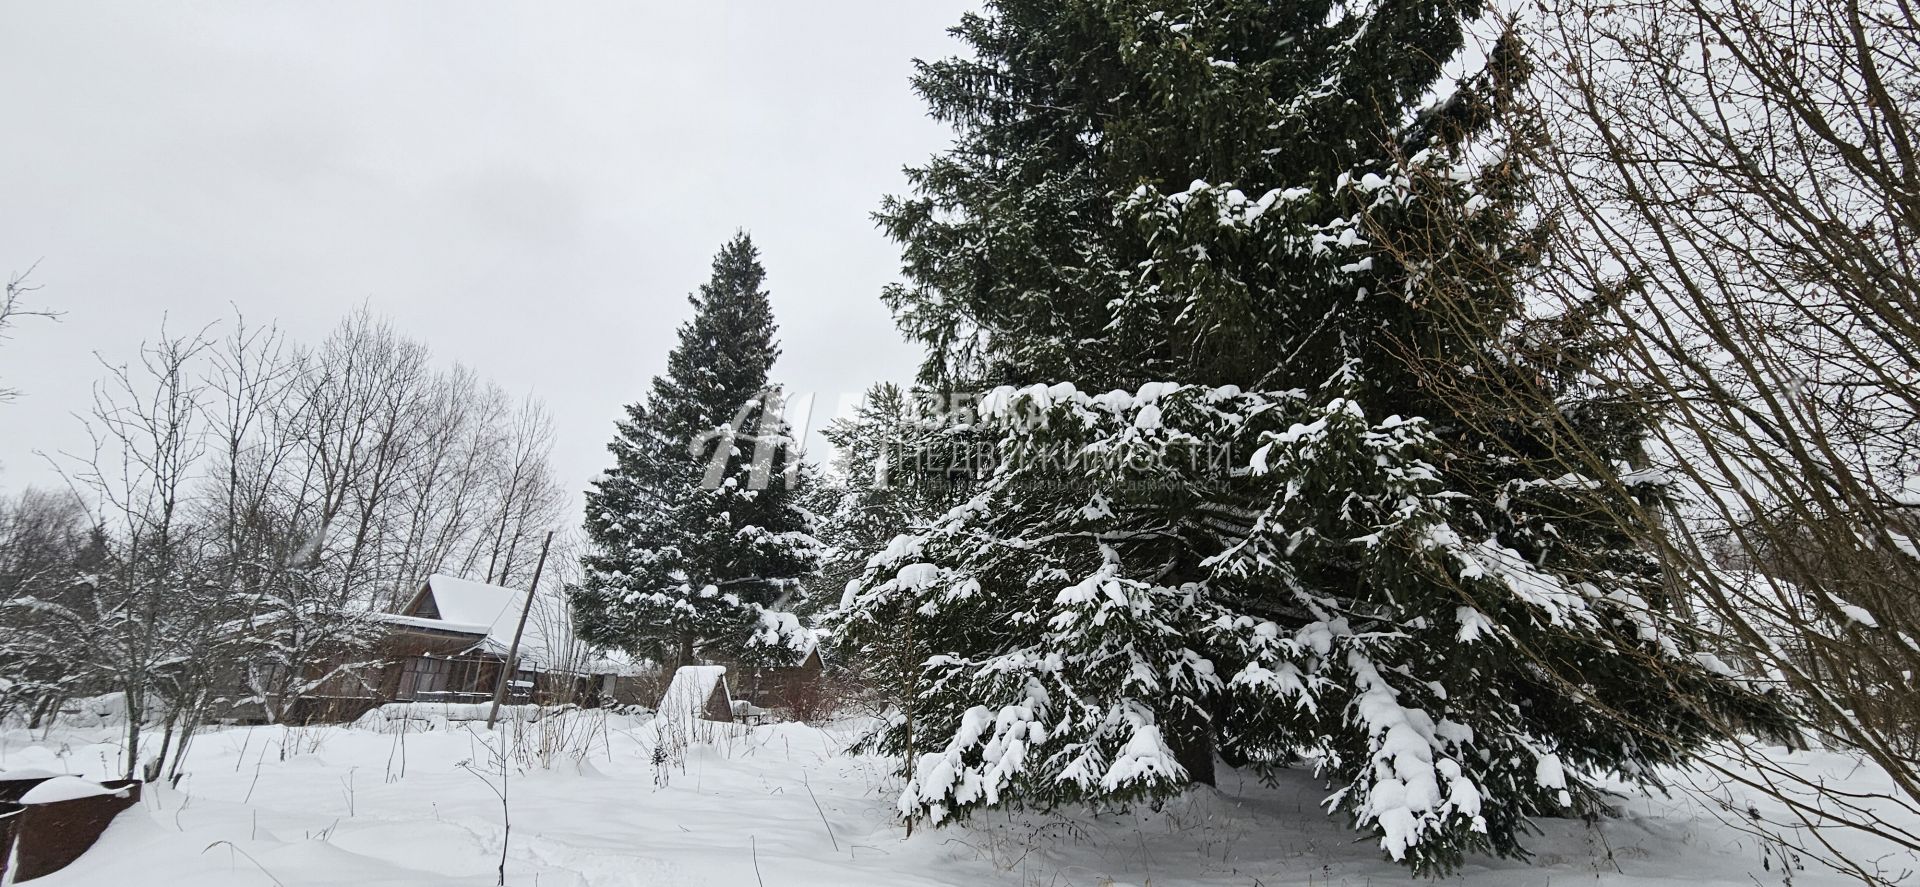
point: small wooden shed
(698, 692)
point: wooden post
(507, 669)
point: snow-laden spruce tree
(698, 545)
(876, 488)
(1228, 274)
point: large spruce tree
(878, 485)
(697, 542)
(1229, 274)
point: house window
(424, 674)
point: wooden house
(794, 689)
(449, 642)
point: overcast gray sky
(532, 189)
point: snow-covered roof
(25, 773)
(65, 788)
(692, 686)
(493, 611)
(433, 624)
(474, 603)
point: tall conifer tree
(879, 484)
(1221, 270)
(697, 543)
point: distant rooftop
(490, 612)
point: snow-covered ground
(782, 806)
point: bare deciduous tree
(12, 308)
(256, 504)
(153, 601)
(1730, 206)
(46, 541)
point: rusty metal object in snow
(47, 837)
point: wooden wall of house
(794, 687)
(463, 676)
(458, 675)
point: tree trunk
(43, 711)
(133, 694)
(1193, 748)
(152, 771)
(189, 726)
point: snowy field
(598, 800)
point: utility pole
(509, 668)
